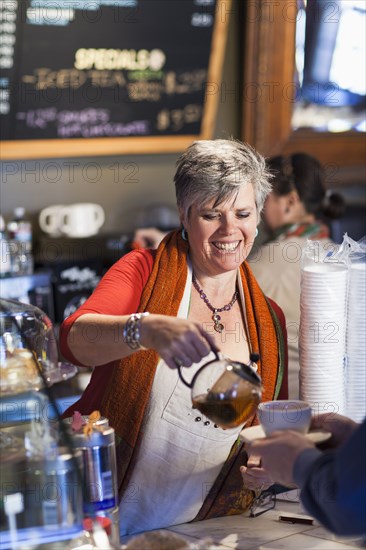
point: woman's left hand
(254, 476)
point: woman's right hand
(177, 341)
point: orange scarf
(128, 391)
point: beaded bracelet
(131, 332)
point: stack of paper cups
(322, 336)
(356, 343)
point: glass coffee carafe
(227, 392)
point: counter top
(265, 532)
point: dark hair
(305, 174)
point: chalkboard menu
(82, 77)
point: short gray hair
(216, 169)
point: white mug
(284, 415)
(82, 219)
(50, 219)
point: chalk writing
(102, 58)
(44, 78)
(121, 70)
(111, 129)
(175, 119)
(84, 123)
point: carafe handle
(191, 384)
(254, 357)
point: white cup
(284, 415)
(50, 219)
(81, 219)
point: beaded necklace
(218, 326)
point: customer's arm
(334, 484)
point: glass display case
(40, 492)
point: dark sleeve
(118, 293)
(283, 394)
(333, 484)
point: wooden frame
(28, 149)
(269, 88)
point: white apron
(181, 452)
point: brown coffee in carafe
(229, 399)
(229, 412)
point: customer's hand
(254, 476)
(340, 427)
(278, 454)
(177, 341)
(149, 237)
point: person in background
(154, 311)
(153, 222)
(148, 237)
(293, 212)
(333, 482)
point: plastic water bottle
(20, 233)
(5, 258)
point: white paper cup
(284, 415)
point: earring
(256, 232)
(184, 234)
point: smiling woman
(223, 233)
(179, 305)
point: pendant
(219, 327)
